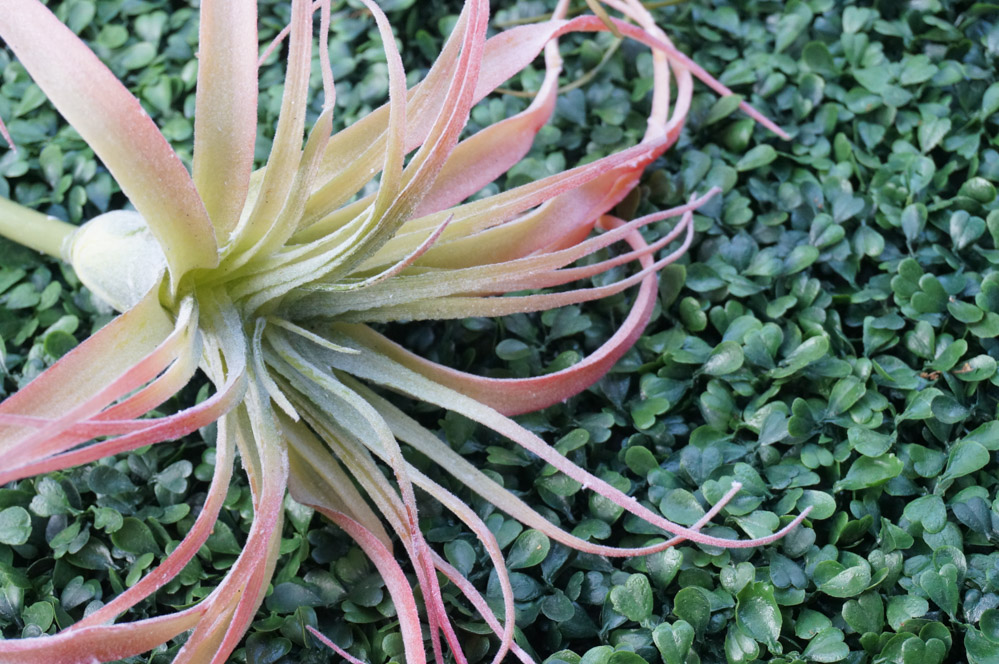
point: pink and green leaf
(114, 124)
(225, 118)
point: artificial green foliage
(832, 345)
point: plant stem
(33, 229)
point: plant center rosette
(267, 282)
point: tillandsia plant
(266, 281)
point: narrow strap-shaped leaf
(243, 264)
(225, 117)
(304, 447)
(233, 603)
(427, 443)
(513, 396)
(568, 215)
(257, 561)
(268, 383)
(394, 270)
(479, 160)
(379, 369)
(311, 487)
(167, 385)
(266, 285)
(468, 516)
(486, 213)
(566, 218)
(423, 167)
(395, 147)
(188, 547)
(142, 433)
(286, 153)
(106, 357)
(99, 643)
(354, 153)
(344, 421)
(360, 421)
(329, 644)
(461, 307)
(224, 347)
(537, 271)
(114, 124)
(395, 579)
(480, 604)
(49, 437)
(503, 56)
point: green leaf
(663, 566)
(827, 646)
(922, 341)
(633, 600)
(869, 443)
(796, 17)
(902, 608)
(867, 472)
(932, 131)
(735, 578)
(134, 536)
(965, 458)
(865, 614)
(875, 79)
(809, 351)
(640, 460)
(950, 356)
(921, 405)
(810, 623)
(461, 554)
(138, 55)
(981, 367)
(673, 641)
(817, 57)
(40, 614)
(511, 350)
(757, 614)
(681, 506)
(913, 221)
(917, 69)
(965, 312)
(836, 580)
(722, 108)
(726, 358)
(965, 229)
(530, 548)
(15, 526)
(800, 258)
(845, 393)
(928, 511)
(990, 100)
(740, 648)
(692, 606)
(990, 624)
(759, 156)
(286, 597)
(980, 649)
(823, 505)
(941, 586)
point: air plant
(266, 281)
